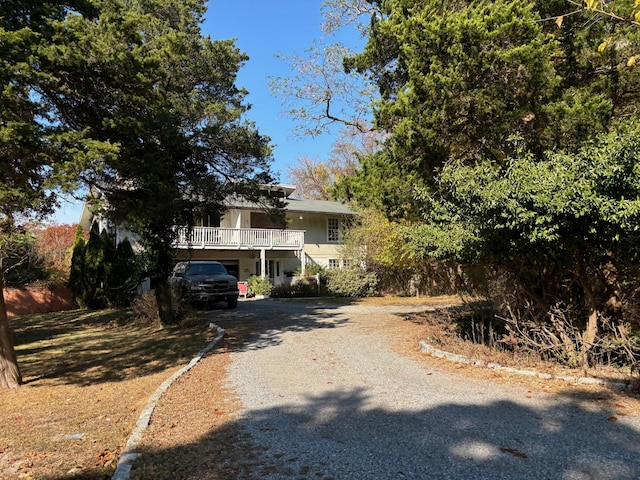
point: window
(334, 230)
(264, 220)
(207, 220)
(338, 263)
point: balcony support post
(263, 263)
(303, 261)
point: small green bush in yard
(351, 282)
(259, 285)
(300, 289)
(310, 270)
(305, 289)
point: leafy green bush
(310, 269)
(302, 288)
(259, 285)
(282, 291)
(123, 276)
(351, 282)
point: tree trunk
(164, 301)
(610, 278)
(10, 376)
(591, 329)
(589, 335)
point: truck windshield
(206, 269)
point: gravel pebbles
(327, 397)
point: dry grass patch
(436, 326)
(428, 302)
(192, 433)
(87, 377)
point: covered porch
(243, 239)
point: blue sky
(262, 30)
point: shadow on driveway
(336, 436)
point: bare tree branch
(321, 93)
(342, 13)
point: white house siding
(314, 225)
(232, 219)
(322, 253)
(317, 248)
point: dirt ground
(87, 376)
(193, 440)
(57, 429)
(173, 447)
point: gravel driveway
(326, 396)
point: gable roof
(292, 204)
(317, 206)
(295, 205)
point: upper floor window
(334, 230)
(264, 220)
(207, 220)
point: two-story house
(247, 241)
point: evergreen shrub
(351, 282)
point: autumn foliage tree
(317, 178)
(381, 246)
(53, 244)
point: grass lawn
(87, 377)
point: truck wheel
(232, 302)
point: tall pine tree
(165, 98)
(128, 98)
(511, 145)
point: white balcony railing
(240, 238)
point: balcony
(240, 238)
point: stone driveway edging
(125, 462)
(454, 357)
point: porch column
(303, 261)
(263, 263)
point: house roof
(291, 204)
(317, 206)
(296, 205)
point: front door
(273, 271)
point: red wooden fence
(21, 301)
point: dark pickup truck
(205, 281)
